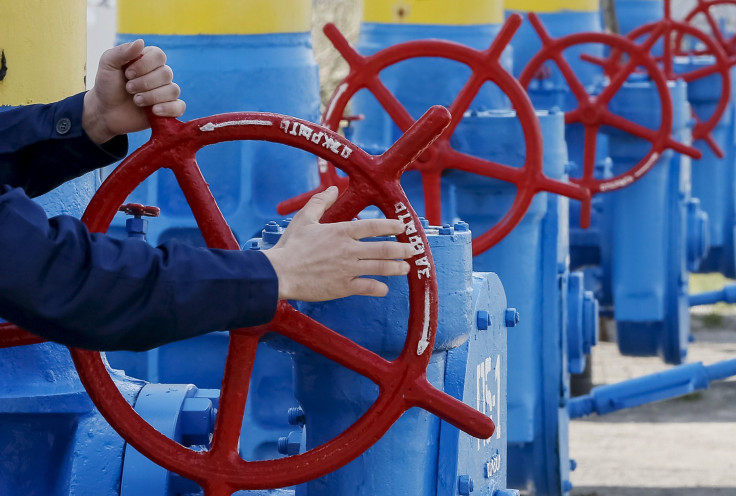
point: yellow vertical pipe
(553, 5)
(192, 17)
(44, 43)
(435, 12)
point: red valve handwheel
(703, 8)
(592, 110)
(402, 382)
(675, 31)
(11, 335)
(486, 66)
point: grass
(701, 283)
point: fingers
(151, 58)
(315, 208)
(370, 228)
(362, 286)
(166, 93)
(157, 78)
(170, 109)
(383, 267)
(382, 250)
(118, 56)
(151, 81)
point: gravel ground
(679, 447)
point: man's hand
(115, 104)
(319, 262)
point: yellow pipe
(44, 42)
(436, 12)
(191, 17)
(553, 5)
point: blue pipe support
(469, 362)
(726, 295)
(633, 13)
(677, 381)
(590, 249)
(53, 440)
(650, 280)
(582, 322)
(532, 262)
(713, 178)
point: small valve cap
(140, 210)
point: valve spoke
(463, 100)
(475, 165)
(328, 343)
(241, 356)
(451, 410)
(573, 82)
(432, 187)
(349, 204)
(696, 74)
(570, 190)
(617, 81)
(207, 214)
(390, 103)
(642, 132)
(589, 152)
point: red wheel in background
(440, 156)
(704, 13)
(402, 382)
(673, 35)
(592, 110)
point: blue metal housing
(713, 178)
(650, 278)
(53, 440)
(469, 362)
(532, 260)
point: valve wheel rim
(552, 49)
(722, 65)
(485, 65)
(221, 470)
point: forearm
(42, 146)
(90, 291)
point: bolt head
(482, 320)
(465, 485)
(511, 317)
(289, 445)
(462, 226)
(296, 416)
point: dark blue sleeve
(42, 146)
(90, 291)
